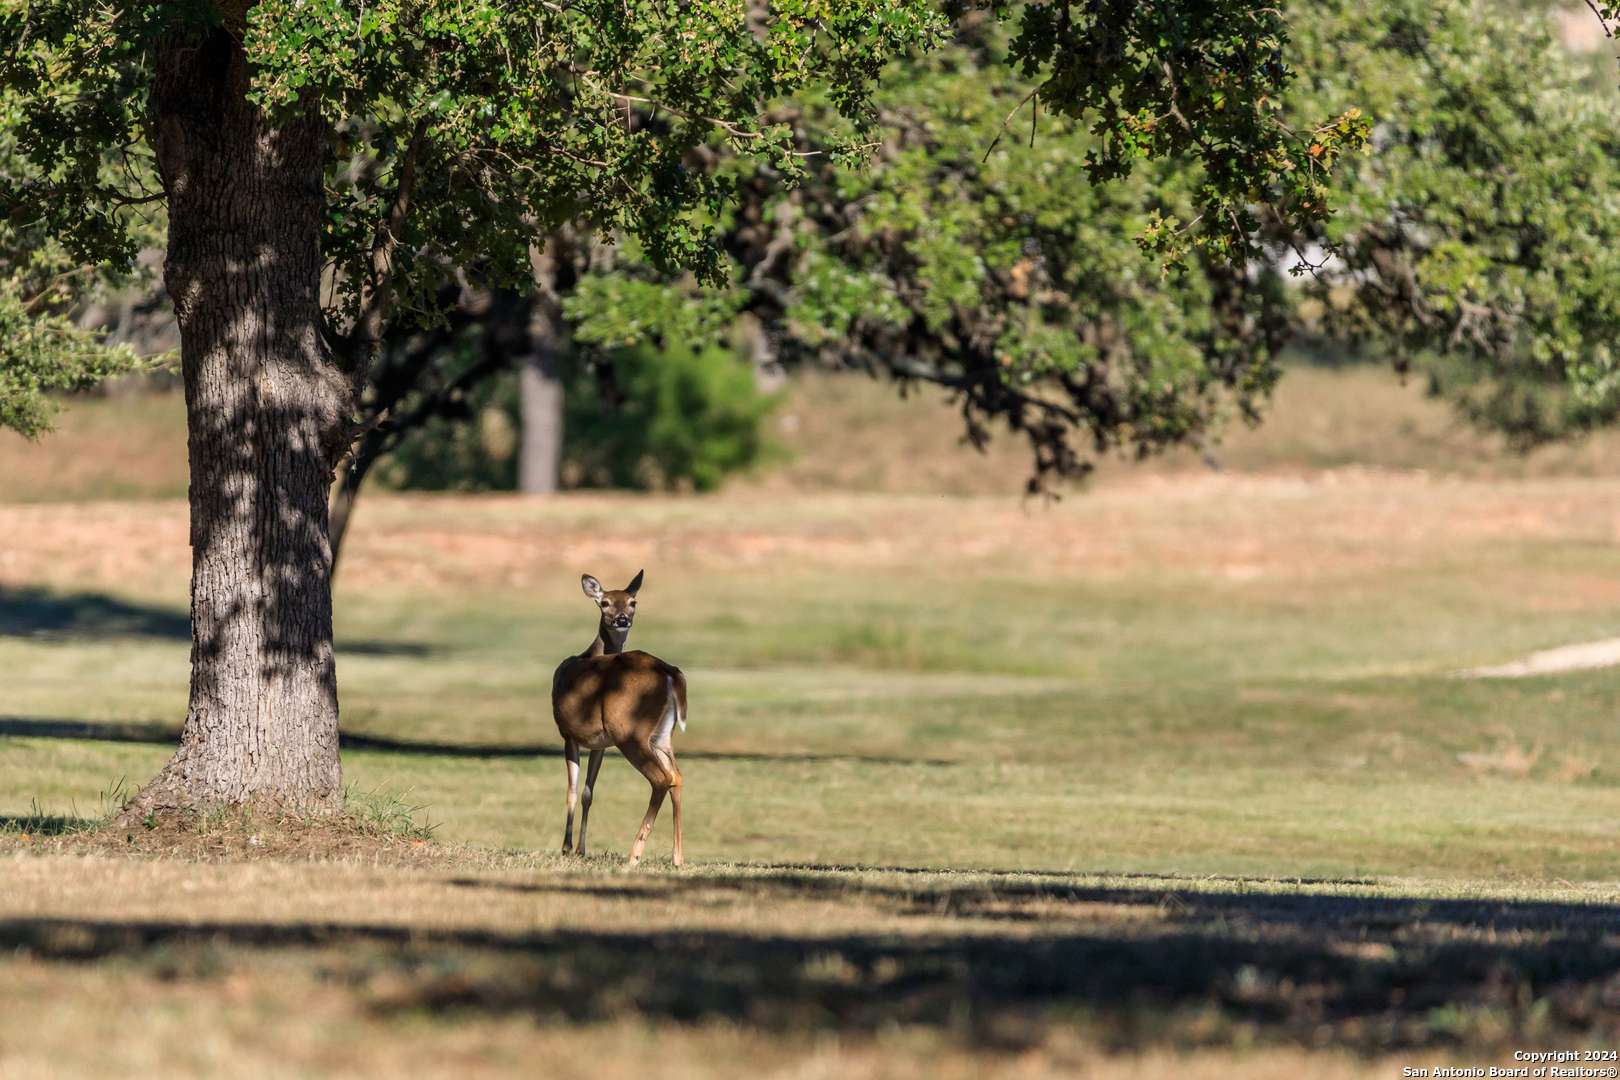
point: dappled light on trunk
(265, 410)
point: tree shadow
(41, 613)
(1033, 895)
(1136, 966)
(44, 614)
(43, 824)
(1018, 895)
(554, 750)
(154, 734)
(42, 727)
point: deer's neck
(608, 641)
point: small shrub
(687, 417)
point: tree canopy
(460, 130)
(1474, 243)
(1478, 242)
(915, 228)
(42, 347)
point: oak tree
(320, 161)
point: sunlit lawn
(1247, 679)
(1302, 721)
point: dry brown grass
(846, 433)
(248, 1024)
(1290, 529)
(228, 836)
(132, 446)
(851, 434)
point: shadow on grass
(42, 727)
(37, 612)
(43, 824)
(1371, 974)
(50, 727)
(43, 614)
(493, 750)
(1047, 897)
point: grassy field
(1175, 776)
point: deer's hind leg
(675, 808)
(656, 762)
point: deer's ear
(635, 582)
(592, 587)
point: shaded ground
(1033, 973)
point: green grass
(1240, 689)
(1131, 723)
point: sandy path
(1582, 657)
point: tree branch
(377, 293)
(1601, 20)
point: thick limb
(571, 759)
(585, 796)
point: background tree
(544, 351)
(961, 255)
(968, 258)
(1478, 244)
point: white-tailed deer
(632, 700)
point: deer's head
(618, 606)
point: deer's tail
(680, 700)
(675, 680)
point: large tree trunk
(265, 409)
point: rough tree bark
(266, 407)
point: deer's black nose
(622, 622)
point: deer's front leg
(585, 796)
(571, 759)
